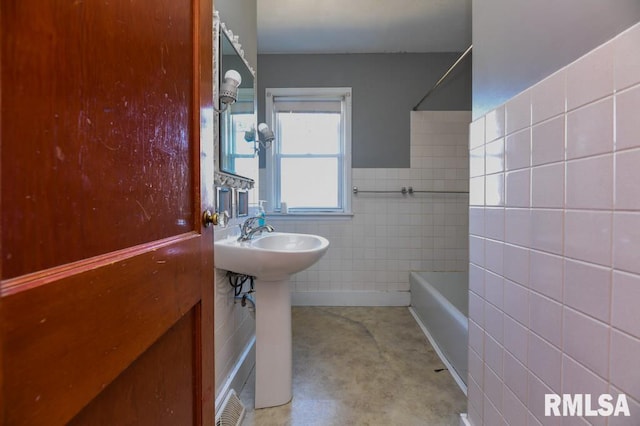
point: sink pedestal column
(273, 343)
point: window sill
(314, 215)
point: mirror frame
(222, 178)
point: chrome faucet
(248, 229)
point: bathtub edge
(445, 361)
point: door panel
(99, 98)
(87, 318)
(106, 165)
(156, 400)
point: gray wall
(385, 88)
(241, 17)
(517, 43)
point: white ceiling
(363, 26)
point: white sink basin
(272, 256)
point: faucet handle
(248, 224)
(250, 221)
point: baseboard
(351, 298)
(436, 348)
(239, 374)
(464, 420)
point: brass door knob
(215, 219)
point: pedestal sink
(271, 259)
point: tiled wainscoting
(372, 252)
(555, 242)
(234, 328)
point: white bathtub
(440, 304)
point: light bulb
(234, 76)
(266, 135)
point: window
(309, 163)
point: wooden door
(106, 167)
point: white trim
(464, 420)
(444, 360)
(239, 374)
(350, 298)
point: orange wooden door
(106, 167)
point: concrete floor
(361, 366)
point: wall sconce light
(266, 135)
(229, 89)
(265, 138)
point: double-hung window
(309, 163)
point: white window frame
(272, 173)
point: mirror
(236, 148)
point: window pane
(243, 123)
(247, 167)
(309, 133)
(309, 182)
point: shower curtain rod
(466, 52)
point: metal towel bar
(406, 190)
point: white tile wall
(545, 361)
(494, 189)
(536, 392)
(587, 236)
(518, 112)
(493, 351)
(626, 293)
(234, 324)
(515, 339)
(590, 77)
(392, 234)
(546, 230)
(494, 157)
(548, 97)
(476, 367)
(493, 288)
(547, 142)
(546, 274)
(494, 125)
(563, 272)
(590, 129)
(626, 241)
(494, 223)
(544, 316)
(627, 196)
(518, 188)
(590, 183)
(516, 150)
(587, 288)
(514, 411)
(627, 123)
(547, 185)
(515, 375)
(493, 323)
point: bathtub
(440, 305)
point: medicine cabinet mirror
(236, 162)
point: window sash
(339, 156)
(302, 197)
